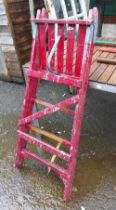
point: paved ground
(31, 188)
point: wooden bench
(103, 76)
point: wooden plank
(20, 27)
(24, 38)
(70, 49)
(18, 8)
(107, 61)
(13, 33)
(61, 79)
(111, 55)
(63, 22)
(80, 50)
(23, 47)
(60, 50)
(103, 55)
(99, 71)
(94, 67)
(107, 74)
(42, 46)
(49, 135)
(97, 53)
(112, 79)
(108, 49)
(20, 18)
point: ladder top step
(61, 79)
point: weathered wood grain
(107, 61)
(112, 79)
(107, 74)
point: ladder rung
(56, 168)
(43, 145)
(50, 135)
(61, 79)
(46, 104)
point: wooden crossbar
(46, 104)
(56, 168)
(49, 110)
(61, 79)
(107, 61)
(49, 135)
(61, 154)
(108, 49)
(64, 22)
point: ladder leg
(69, 181)
(31, 90)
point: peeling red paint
(77, 78)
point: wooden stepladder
(64, 60)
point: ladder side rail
(77, 122)
(31, 89)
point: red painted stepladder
(47, 63)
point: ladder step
(56, 168)
(61, 79)
(49, 135)
(44, 146)
(46, 104)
